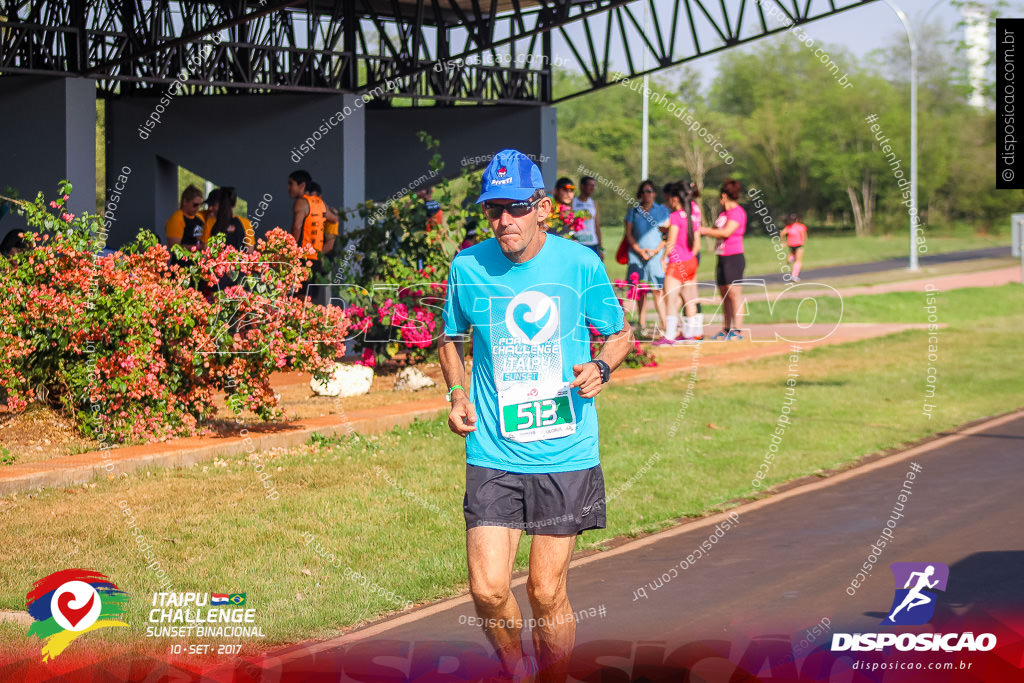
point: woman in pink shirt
(795, 234)
(728, 230)
(680, 264)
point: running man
(795, 234)
(532, 461)
(915, 598)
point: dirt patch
(298, 401)
(41, 433)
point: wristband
(454, 387)
(606, 371)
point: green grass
(820, 252)
(896, 307)
(214, 531)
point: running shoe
(796, 279)
(734, 335)
(721, 336)
(526, 670)
(664, 341)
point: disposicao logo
(912, 605)
(71, 602)
(915, 604)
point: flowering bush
(637, 357)
(565, 222)
(396, 266)
(634, 288)
(135, 346)
(412, 319)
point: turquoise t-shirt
(529, 324)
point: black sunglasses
(515, 209)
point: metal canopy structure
(425, 52)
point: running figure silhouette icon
(914, 603)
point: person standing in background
(432, 207)
(185, 226)
(682, 245)
(249, 239)
(728, 230)
(645, 245)
(226, 223)
(590, 236)
(796, 234)
(562, 196)
(330, 219)
(209, 214)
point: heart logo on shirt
(531, 317)
(75, 606)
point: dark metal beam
(156, 45)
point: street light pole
(914, 217)
(645, 126)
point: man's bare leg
(491, 551)
(555, 633)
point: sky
(859, 30)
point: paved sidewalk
(899, 263)
(809, 287)
(767, 340)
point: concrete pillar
(469, 136)
(251, 142)
(353, 171)
(549, 144)
(50, 135)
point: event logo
(915, 604)
(531, 317)
(71, 602)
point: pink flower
(368, 359)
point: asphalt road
(821, 274)
(766, 582)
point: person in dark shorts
(532, 460)
(728, 232)
(795, 233)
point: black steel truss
(429, 51)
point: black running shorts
(730, 269)
(551, 504)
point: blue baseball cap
(510, 175)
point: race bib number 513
(541, 416)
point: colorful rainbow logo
(71, 602)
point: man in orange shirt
(330, 226)
(309, 213)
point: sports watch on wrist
(606, 372)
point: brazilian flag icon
(237, 598)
